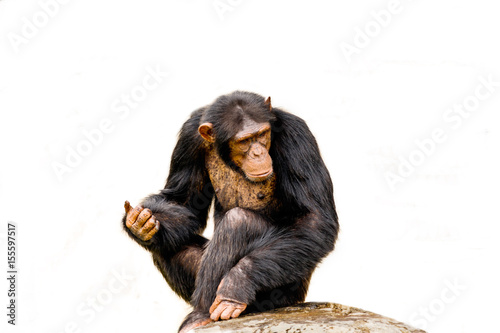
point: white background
(427, 245)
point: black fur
(266, 259)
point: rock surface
(310, 317)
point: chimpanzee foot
(193, 320)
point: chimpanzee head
(239, 125)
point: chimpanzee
(274, 212)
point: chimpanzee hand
(224, 307)
(141, 222)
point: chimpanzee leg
(180, 269)
(286, 295)
(233, 238)
(236, 234)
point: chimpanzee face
(249, 148)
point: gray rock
(310, 317)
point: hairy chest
(232, 189)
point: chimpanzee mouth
(261, 176)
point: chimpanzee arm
(182, 206)
(177, 226)
(289, 257)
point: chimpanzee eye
(263, 137)
(244, 145)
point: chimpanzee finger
(228, 311)
(142, 218)
(215, 304)
(149, 225)
(153, 231)
(217, 312)
(127, 206)
(237, 313)
(132, 215)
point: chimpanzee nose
(256, 151)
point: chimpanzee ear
(206, 132)
(268, 103)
